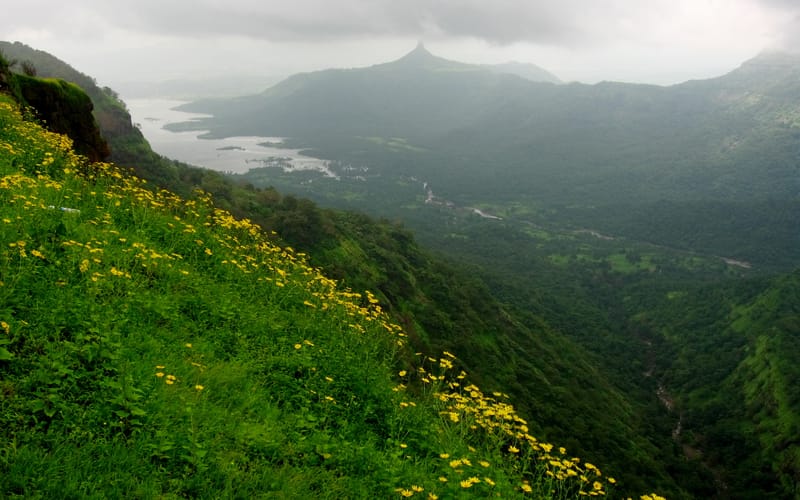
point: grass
(156, 347)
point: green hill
(157, 346)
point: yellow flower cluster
(168, 379)
(466, 406)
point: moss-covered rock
(65, 109)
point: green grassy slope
(157, 346)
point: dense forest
(652, 333)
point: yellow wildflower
(467, 483)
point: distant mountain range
(482, 136)
(419, 93)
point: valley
(600, 222)
(612, 256)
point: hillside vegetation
(555, 383)
(158, 346)
(730, 358)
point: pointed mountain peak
(420, 53)
(422, 58)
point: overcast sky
(648, 41)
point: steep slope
(157, 346)
(732, 375)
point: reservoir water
(232, 154)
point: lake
(232, 154)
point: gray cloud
(501, 22)
(578, 39)
(788, 36)
(498, 21)
(780, 4)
